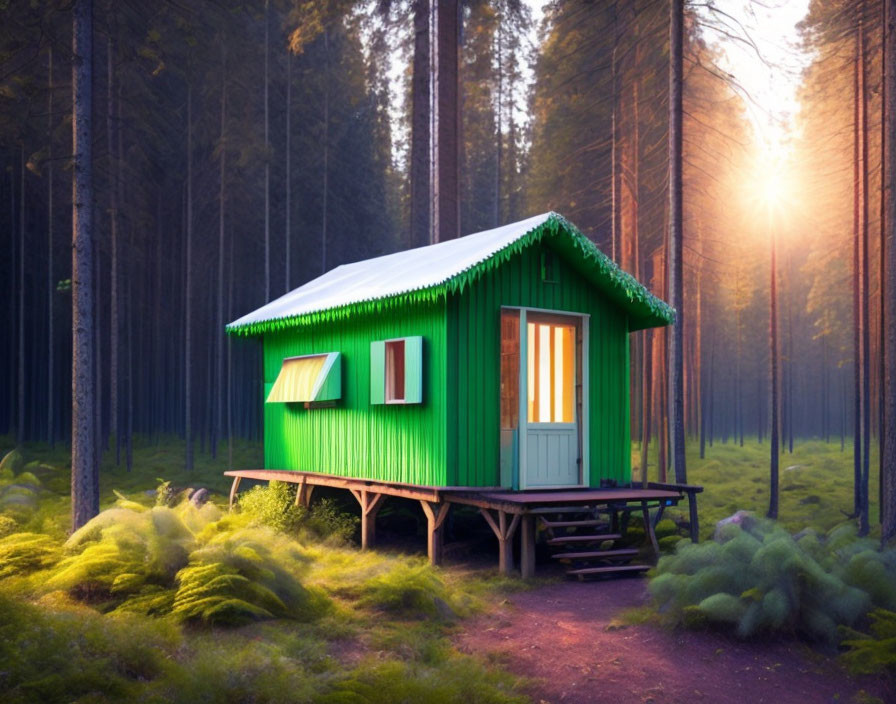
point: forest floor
(499, 640)
(577, 644)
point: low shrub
(273, 506)
(244, 576)
(191, 562)
(758, 579)
(875, 651)
(407, 589)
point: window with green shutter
(396, 371)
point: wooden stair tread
(561, 509)
(597, 538)
(572, 524)
(596, 554)
(609, 569)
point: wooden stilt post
(435, 516)
(233, 490)
(300, 493)
(648, 527)
(527, 547)
(504, 533)
(370, 501)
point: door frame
(582, 422)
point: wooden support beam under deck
(233, 490)
(504, 533)
(371, 502)
(436, 513)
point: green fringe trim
(645, 309)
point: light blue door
(551, 377)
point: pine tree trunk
(773, 359)
(888, 278)
(676, 288)
(267, 155)
(865, 297)
(287, 215)
(20, 427)
(326, 159)
(188, 295)
(419, 226)
(219, 320)
(856, 298)
(51, 289)
(882, 342)
(444, 120)
(114, 322)
(85, 497)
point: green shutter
(377, 373)
(413, 370)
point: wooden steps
(576, 536)
(595, 538)
(609, 569)
(616, 554)
(572, 524)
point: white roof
(392, 274)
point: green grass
(816, 483)
(156, 600)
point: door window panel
(551, 372)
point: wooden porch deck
(505, 511)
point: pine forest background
(243, 148)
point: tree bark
(676, 288)
(856, 299)
(267, 156)
(865, 298)
(326, 159)
(773, 360)
(219, 320)
(114, 322)
(287, 215)
(419, 226)
(188, 292)
(51, 289)
(20, 426)
(85, 497)
(444, 120)
(888, 278)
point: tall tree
(114, 319)
(51, 287)
(676, 249)
(419, 226)
(774, 362)
(267, 154)
(85, 494)
(445, 121)
(188, 293)
(888, 495)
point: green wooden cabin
(497, 359)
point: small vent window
(548, 273)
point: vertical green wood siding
(473, 359)
(405, 443)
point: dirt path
(564, 637)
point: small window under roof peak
(309, 378)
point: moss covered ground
(161, 600)
(816, 483)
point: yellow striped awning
(313, 377)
